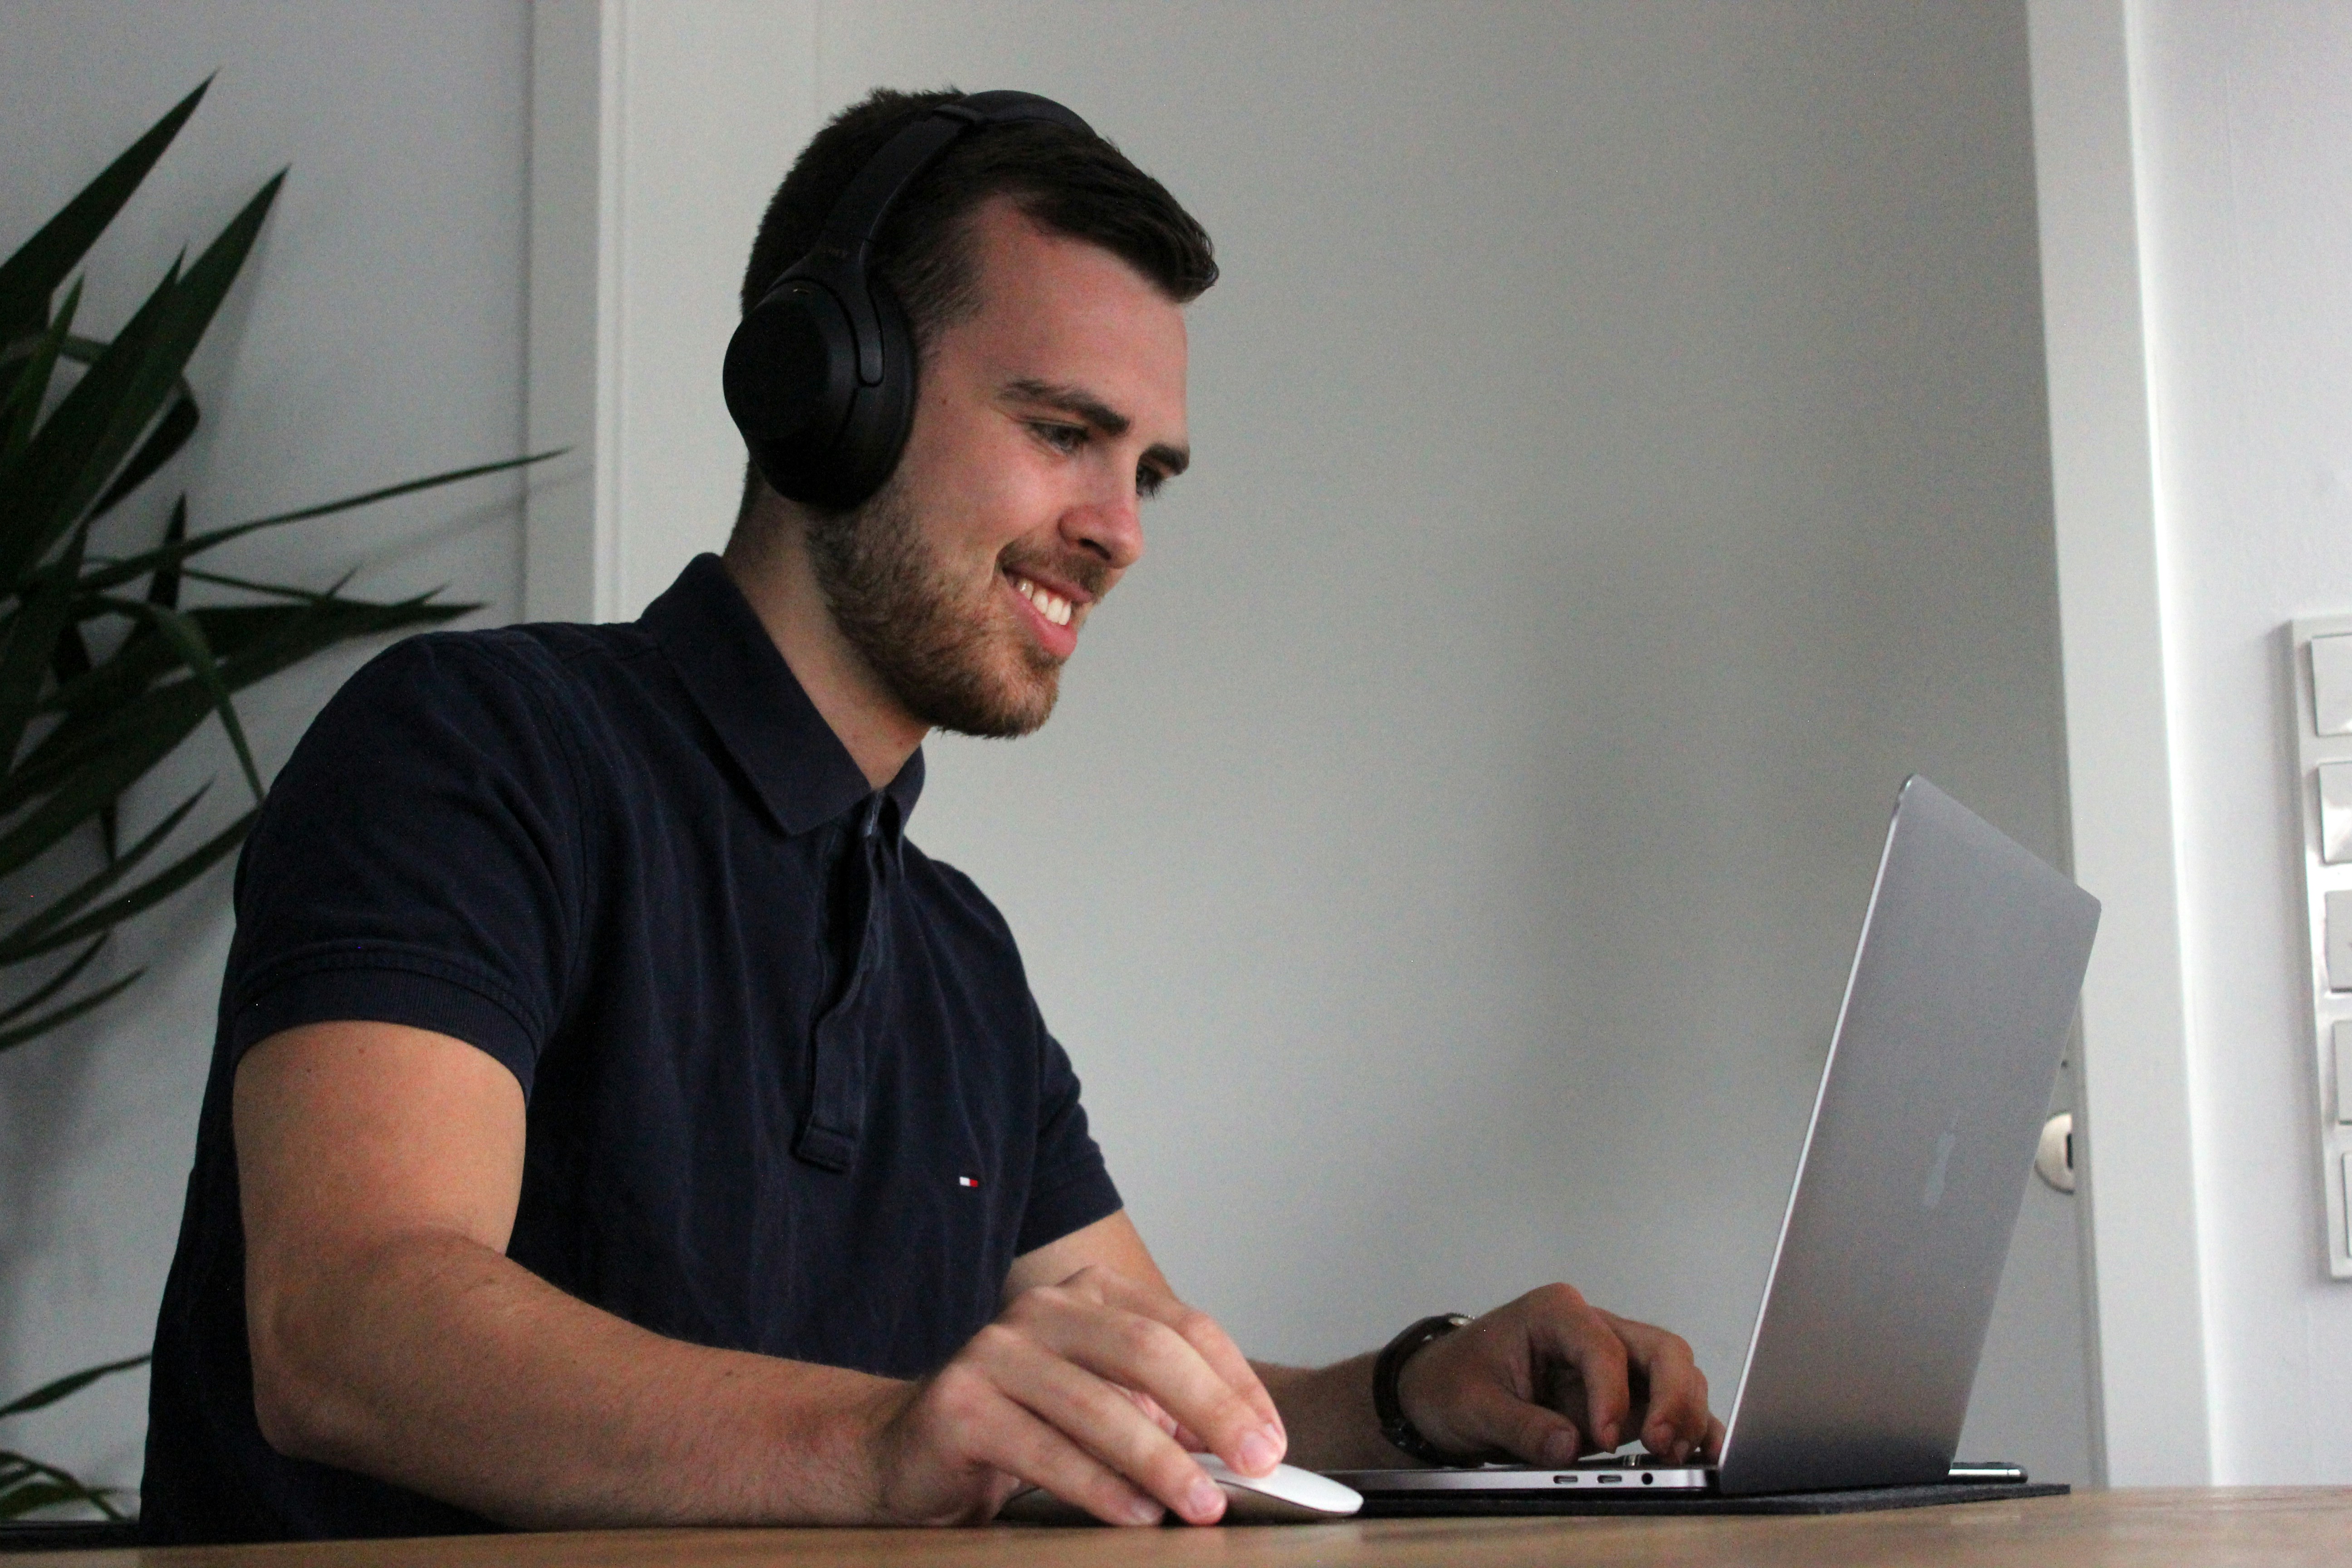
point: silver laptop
(1962, 991)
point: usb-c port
(1609, 1480)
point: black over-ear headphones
(821, 373)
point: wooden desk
(2242, 1527)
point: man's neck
(774, 576)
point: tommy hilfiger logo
(972, 1182)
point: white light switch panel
(2331, 684)
(2335, 813)
(2319, 657)
(2344, 1072)
(2339, 941)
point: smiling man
(614, 1119)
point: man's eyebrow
(1101, 415)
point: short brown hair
(1070, 182)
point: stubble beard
(942, 653)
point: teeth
(1050, 605)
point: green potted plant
(103, 669)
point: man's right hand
(1093, 1388)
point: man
(614, 1119)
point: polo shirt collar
(801, 773)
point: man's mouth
(1047, 602)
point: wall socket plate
(2329, 1008)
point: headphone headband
(865, 203)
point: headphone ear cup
(819, 435)
(875, 434)
(791, 380)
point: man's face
(1043, 420)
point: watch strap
(1389, 1407)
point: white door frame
(2145, 1290)
(658, 129)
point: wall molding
(2146, 1290)
(659, 130)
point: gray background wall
(1621, 461)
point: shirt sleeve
(420, 860)
(1071, 1186)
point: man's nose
(1110, 527)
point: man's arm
(380, 1167)
(1545, 1377)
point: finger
(1026, 1447)
(1675, 1421)
(1209, 1338)
(1156, 1416)
(1124, 1335)
(1713, 1446)
(1102, 1417)
(1489, 1415)
(1145, 1354)
(1565, 1328)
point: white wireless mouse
(1288, 1495)
(1284, 1495)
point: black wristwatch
(1400, 1432)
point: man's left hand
(1550, 1377)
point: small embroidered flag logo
(967, 1181)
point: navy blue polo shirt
(787, 1089)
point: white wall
(2242, 122)
(376, 334)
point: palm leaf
(164, 587)
(28, 277)
(187, 639)
(67, 1014)
(90, 445)
(27, 1486)
(109, 754)
(103, 771)
(30, 1495)
(22, 408)
(148, 894)
(14, 947)
(163, 444)
(49, 467)
(30, 647)
(72, 1382)
(54, 982)
(131, 567)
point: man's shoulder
(956, 898)
(542, 702)
(541, 672)
(545, 655)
